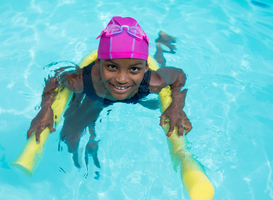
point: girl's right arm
(45, 118)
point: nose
(122, 78)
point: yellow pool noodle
(194, 179)
(32, 152)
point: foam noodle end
(198, 185)
(202, 191)
(21, 167)
(31, 154)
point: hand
(176, 118)
(42, 120)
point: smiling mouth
(121, 88)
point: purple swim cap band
(123, 38)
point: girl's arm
(176, 79)
(45, 116)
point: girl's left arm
(176, 79)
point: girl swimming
(119, 74)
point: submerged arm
(45, 116)
(176, 79)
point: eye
(112, 67)
(135, 69)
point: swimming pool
(227, 53)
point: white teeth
(121, 88)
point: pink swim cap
(123, 38)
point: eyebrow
(109, 60)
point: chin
(120, 98)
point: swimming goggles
(134, 31)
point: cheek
(138, 79)
(105, 75)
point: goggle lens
(134, 31)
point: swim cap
(123, 38)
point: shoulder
(74, 81)
(166, 76)
(156, 82)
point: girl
(119, 74)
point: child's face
(122, 77)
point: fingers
(184, 125)
(172, 124)
(187, 129)
(162, 121)
(30, 131)
(180, 130)
(187, 125)
(38, 133)
(51, 129)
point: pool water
(225, 49)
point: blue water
(226, 51)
